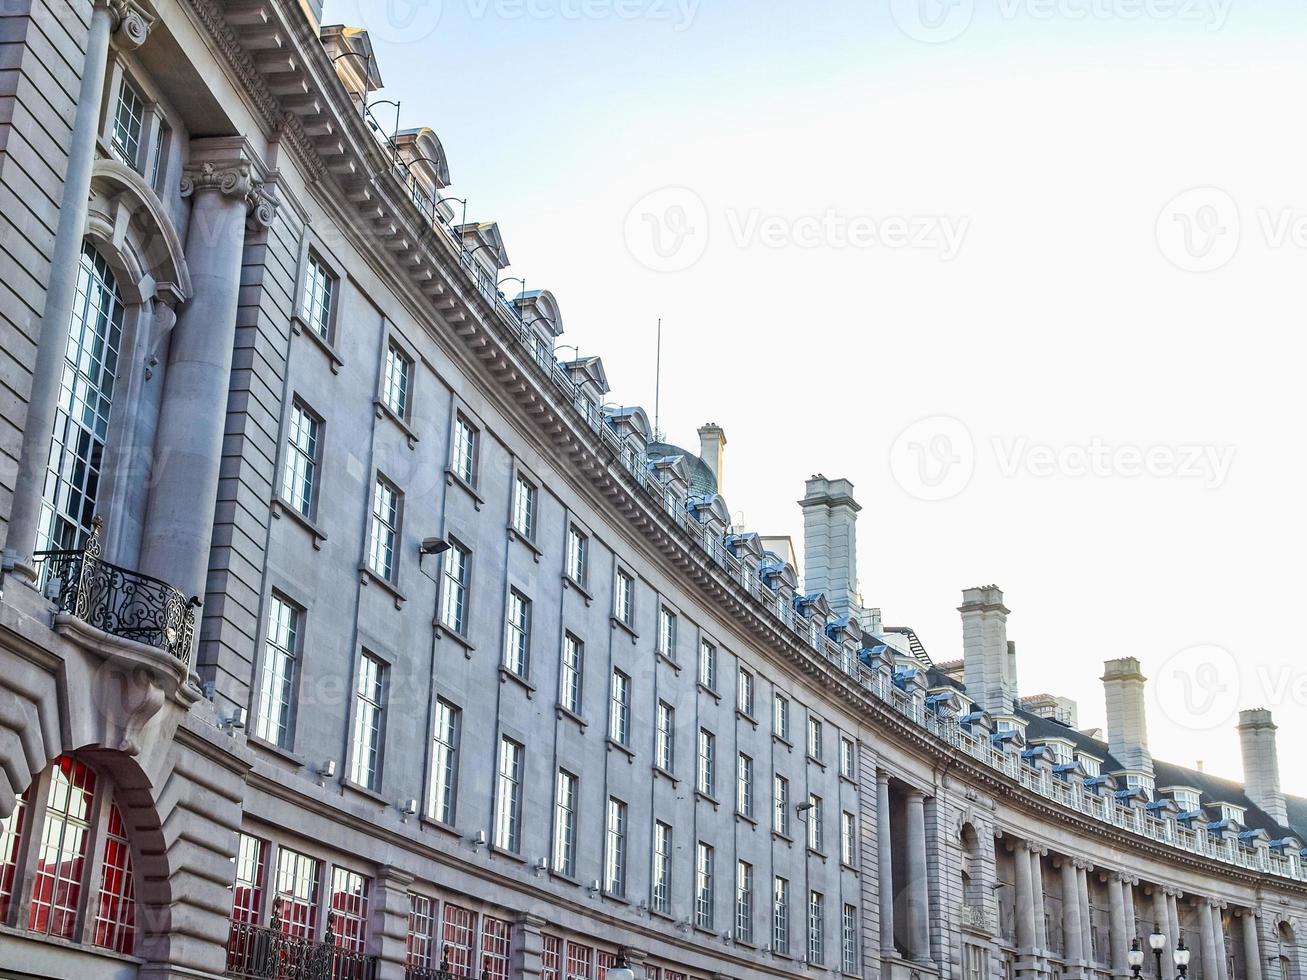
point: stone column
(1173, 919)
(388, 911)
(1161, 916)
(1210, 970)
(885, 852)
(1128, 895)
(1072, 937)
(1086, 919)
(528, 945)
(1120, 938)
(918, 904)
(131, 26)
(1218, 927)
(1025, 899)
(1252, 946)
(188, 446)
(1037, 891)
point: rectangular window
(551, 957)
(508, 797)
(848, 838)
(524, 508)
(421, 925)
(667, 633)
(349, 909)
(297, 892)
(624, 599)
(517, 645)
(454, 583)
(580, 961)
(463, 457)
(385, 529)
(303, 443)
(11, 838)
(444, 762)
(619, 709)
(61, 859)
(848, 758)
(744, 785)
(816, 928)
(396, 380)
(744, 902)
(277, 678)
(744, 700)
(703, 886)
(247, 890)
(369, 707)
(115, 907)
(573, 671)
(781, 717)
(707, 769)
(578, 556)
(565, 824)
(662, 868)
(815, 835)
(159, 155)
(708, 665)
(849, 942)
(615, 848)
(781, 805)
(458, 939)
(128, 124)
(319, 297)
(780, 917)
(496, 941)
(814, 739)
(665, 739)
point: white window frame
(571, 687)
(566, 798)
(277, 676)
(619, 708)
(369, 722)
(517, 634)
(442, 799)
(509, 773)
(615, 848)
(665, 737)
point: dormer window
(1187, 800)
(1093, 767)
(1232, 813)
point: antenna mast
(658, 382)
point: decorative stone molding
(234, 178)
(132, 23)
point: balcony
(262, 953)
(120, 602)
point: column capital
(1083, 865)
(131, 22)
(389, 876)
(235, 178)
(882, 777)
(914, 794)
(1033, 847)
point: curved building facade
(347, 630)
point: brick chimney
(830, 545)
(712, 450)
(1127, 722)
(988, 660)
(1261, 764)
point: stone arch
(131, 228)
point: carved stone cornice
(233, 178)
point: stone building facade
(347, 630)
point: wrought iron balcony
(119, 601)
(263, 953)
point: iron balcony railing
(264, 953)
(838, 656)
(119, 601)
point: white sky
(1052, 137)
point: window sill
(367, 575)
(625, 750)
(710, 692)
(817, 762)
(708, 798)
(281, 508)
(813, 852)
(622, 625)
(745, 716)
(777, 835)
(852, 868)
(454, 480)
(366, 793)
(515, 535)
(563, 876)
(669, 662)
(665, 774)
(384, 411)
(614, 897)
(441, 826)
(506, 674)
(745, 818)
(277, 750)
(848, 779)
(571, 583)
(300, 326)
(665, 916)
(783, 741)
(504, 852)
(565, 712)
(444, 632)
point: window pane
(60, 864)
(319, 295)
(368, 708)
(394, 386)
(444, 762)
(276, 683)
(301, 469)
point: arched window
(65, 840)
(81, 425)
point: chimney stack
(989, 660)
(1261, 764)
(1127, 723)
(712, 450)
(830, 546)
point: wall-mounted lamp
(433, 546)
(235, 721)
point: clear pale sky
(1068, 235)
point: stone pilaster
(1072, 936)
(1116, 912)
(388, 928)
(918, 904)
(528, 945)
(885, 850)
(1252, 946)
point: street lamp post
(621, 970)
(1135, 957)
(1157, 942)
(1181, 955)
